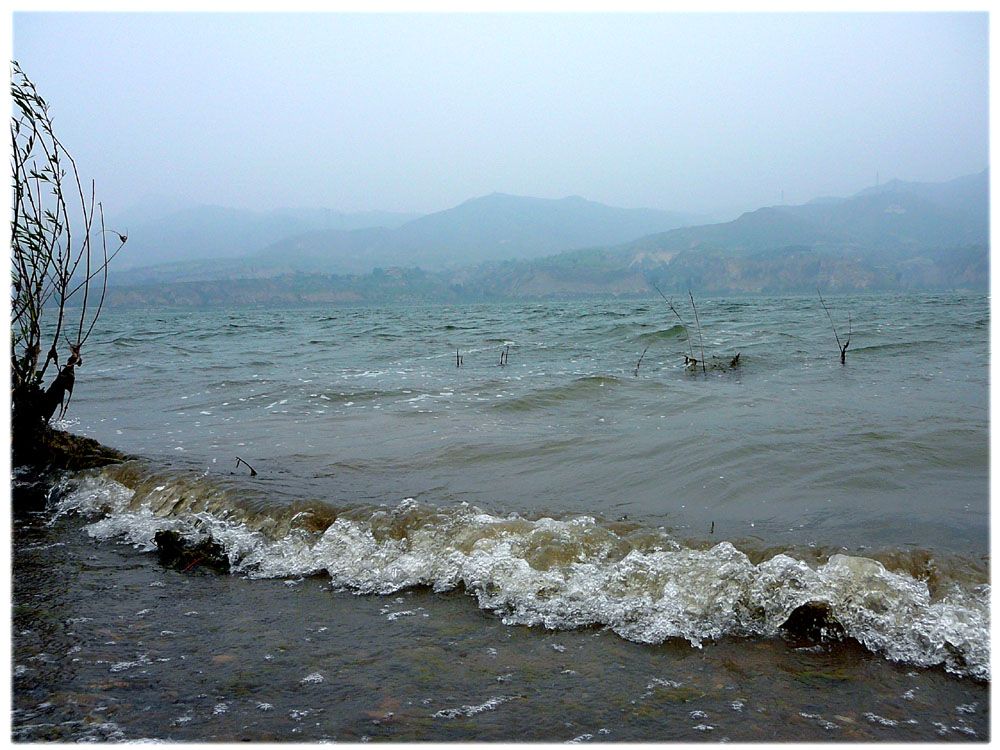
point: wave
(894, 348)
(665, 334)
(574, 572)
(581, 388)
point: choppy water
(668, 521)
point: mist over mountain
(148, 209)
(893, 217)
(164, 230)
(492, 227)
(900, 236)
(967, 194)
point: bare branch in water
(850, 330)
(636, 373)
(673, 309)
(700, 339)
(253, 472)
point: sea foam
(567, 573)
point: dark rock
(179, 552)
(813, 621)
(39, 458)
(57, 450)
(31, 493)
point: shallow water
(124, 648)
(655, 529)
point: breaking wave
(557, 573)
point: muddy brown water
(110, 645)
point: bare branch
(830, 317)
(673, 309)
(104, 279)
(700, 339)
(842, 347)
(253, 471)
(641, 356)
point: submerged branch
(698, 323)
(636, 373)
(673, 309)
(253, 472)
(850, 330)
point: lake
(522, 521)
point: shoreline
(36, 464)
(130, 649)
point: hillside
(493, 227)
(581, 274)
(897, 218)
(501, 226)
(968, 194)
(168, 233)
(905, 237)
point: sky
(705, 113)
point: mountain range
(165, 231)
(233, 244)
(897, 236)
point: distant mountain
(899, 237)
(327, 218)
(895, 218)
(149, 208)
(969, 194)
(163, 230)
(493, 227)
(202, 232)
(752, 232)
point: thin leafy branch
(59, 257)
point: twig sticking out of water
(504, 354)
(458, 359)
(253, 472)
(850, 330)
(698, 323)
(683, 324)
(636, 373)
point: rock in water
(813, 621)
(178, 552)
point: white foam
(571, 573)
(490, 705)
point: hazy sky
(417, 113)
